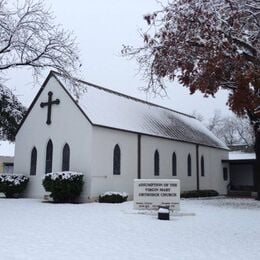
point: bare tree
(215, 121)
(245, 131)
(232, 130)
(228, 131)
(197, 115)
(30, 38)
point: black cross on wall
(49, 104)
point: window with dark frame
(117, 161)
(189, 165)
(66, 158)
(202, 167)
(33, 161)
(8, 168)
(225, 173)
(174, 164)
(156, 163)
(49, 153)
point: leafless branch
(29, 37)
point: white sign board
(152, 193)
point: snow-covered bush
(113, 197)
(199, 193)
(13, 185)
(63, 186)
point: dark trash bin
(164, 213)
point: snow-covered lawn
(218, 229)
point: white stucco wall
(213, 178)
(166, 148)
(68, 126)
(103, 180)
(213, 166)
(102, 170)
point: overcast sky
(101, 28)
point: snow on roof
(108, 108)
(238, 155)
(6, 148)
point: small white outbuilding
(113, 139)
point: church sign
(153, 193)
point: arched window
(66, 158)
(117, 160)
(33, 161)
(174, 165)
(189, 165)
(202, 168)
(156, 163)
(49, 152)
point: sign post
(153, 193)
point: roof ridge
(125, 95)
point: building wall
(213, 178)
(103, 180)
(68, 126)
(104, 141)
(166, 148)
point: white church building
(113, 139)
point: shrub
(13, 185)
(113, 197)
(199, 193)
(63, 186)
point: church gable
(53, 120)
(46, 101)
(53, 111)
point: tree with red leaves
(207, 45)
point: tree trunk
(257, 164)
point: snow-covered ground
(218, 229)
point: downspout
(139, 156)
(197, 167)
